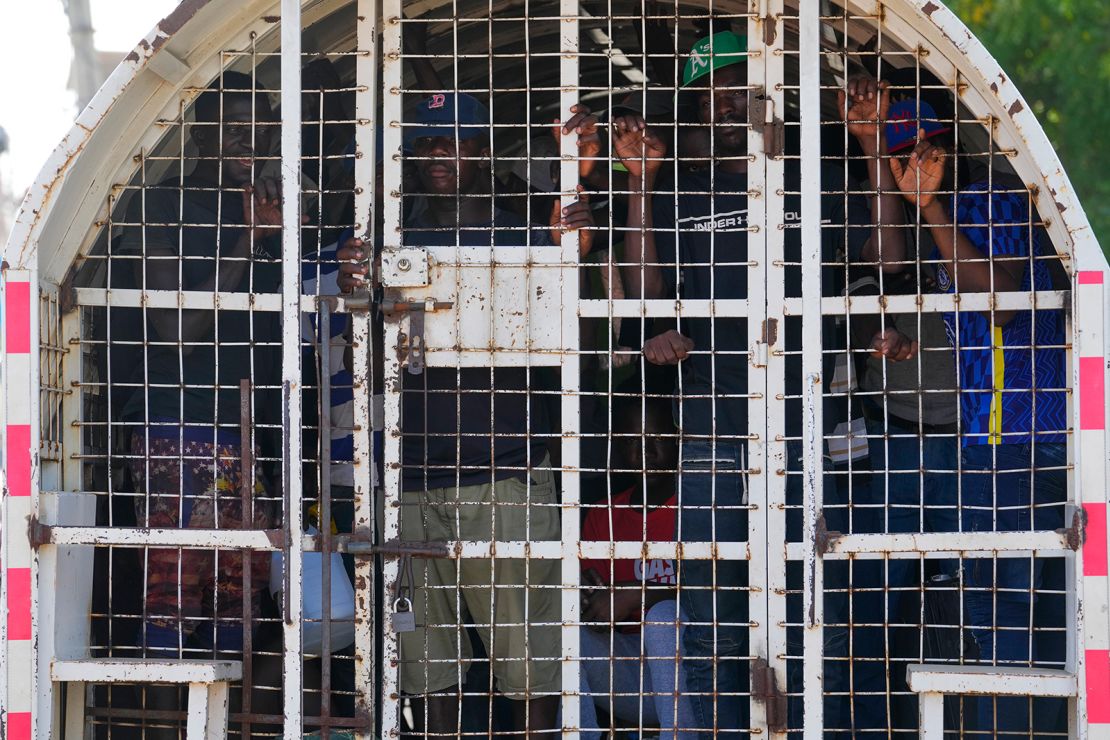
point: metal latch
(766, 690)
(759, 354)
(412, 344)
(405, 267)
(761, 116)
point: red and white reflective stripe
(18, 449)
(1091, 479)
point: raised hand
(639, 148)
(353, 267)
(262, 207)
(866, 118)
(583, 123)
(576, 217)
(922, 174)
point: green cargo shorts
(512, 603)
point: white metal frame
(62, 206)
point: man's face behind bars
(725, 107)
(247, 132)
(447, 165)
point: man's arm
(641, 151)
(870, 106)
(162, 269)
(971, 270)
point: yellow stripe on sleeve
(998, 356)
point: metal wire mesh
(707, 409)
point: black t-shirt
(703, 247)
(448, 414)
(199, 382)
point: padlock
(404, 620)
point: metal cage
(704, 416)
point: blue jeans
(714, 598)
(714, 593)
(633, 676)
(906, 500)
(1008, 488)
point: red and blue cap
(904, 120)
(438, 114)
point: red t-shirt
(628, 526)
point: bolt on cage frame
(45, 385)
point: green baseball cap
(714, 52)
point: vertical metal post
(366, 170)
(1088, 637)
(20, 410)
(291, 361)
(391, 237)
(767, 325)
(571, 378)
(810, 93)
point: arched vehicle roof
(61, 213)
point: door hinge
(1075, 535)
(770, 29)
(759, 353)
(761, 116)
(766, 689)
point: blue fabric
(160, 638)
(715, 641)
(319, 276)
(1007, 488)
(1026, 369)
(442, 113)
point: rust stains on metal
(1055, 199)
(766, 689)
(276, 538)
(823, 537)
(38, 534)
(770, 30)
(1015, 108)
(181, 15)
(770, 331)
(1076, 534)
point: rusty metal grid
(52, 390)
(500, 366)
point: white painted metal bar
(205, 301)
(144, 670)
(937, 302)
(692, 308)
(392, 107)
(367, 609)
(571, 379)
(930, 710)
(814, 384)
(256, 539)
(992, 680)
(948, 542)
(42, 621)
(766, 451)
(292, 472)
